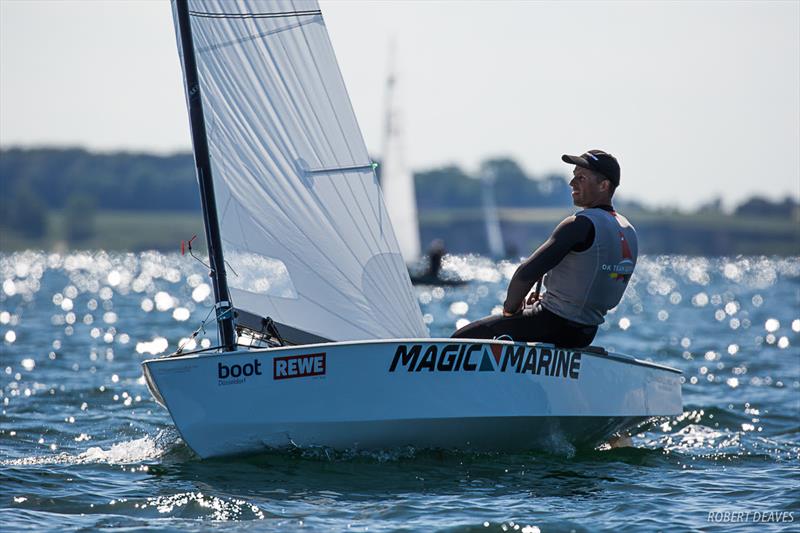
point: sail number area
(538, 360)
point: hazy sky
(696, 99)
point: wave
(148, 448)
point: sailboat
(494, 235)
(397, 182)
(321, 338)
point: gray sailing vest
(585, 285)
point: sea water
(83, 446)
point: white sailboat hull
(426, 393)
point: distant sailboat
(397, 181)
(494, 234)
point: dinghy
(322, 341)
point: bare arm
(573, 233)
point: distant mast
(494, 235)
(202, 162)
(397, 182)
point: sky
(696, 99)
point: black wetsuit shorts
(534, 324)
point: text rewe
(299, 366)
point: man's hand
(509, 313)
(532, 298)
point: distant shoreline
(712, 234)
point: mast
(397, 182)
(202, 162)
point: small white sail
(494, 234)
(304, 227)
(396, 179)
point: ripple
(134, 451)
(82, 442)
(193, 505)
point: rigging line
(200, 328)
(284, 14)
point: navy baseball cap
(598, 161)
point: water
(83, 446)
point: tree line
(77, 182)
(132, 181)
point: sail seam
(248, 38)
(338, 169)
(283, 14)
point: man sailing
(588, 259)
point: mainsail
(304, 228)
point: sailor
(588, 261)
(435, 253)
(431, 275)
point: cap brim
(576, 160)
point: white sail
(304, 227)
(396, 179)
(494, 234)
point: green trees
(115, 181)
(762, 207)
(23, 211)
(73, 189)
(79, 219)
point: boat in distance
(470, 395)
